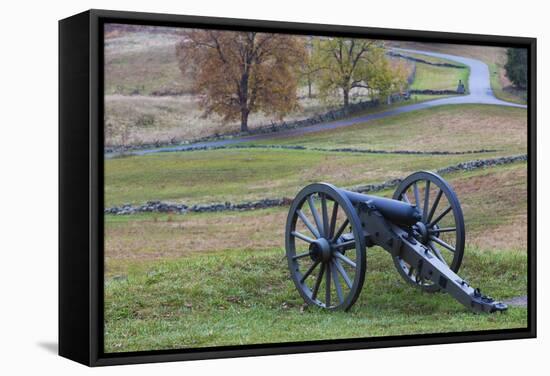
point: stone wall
(274, 127)
(419, 60)
(177, 208)
(435, 92)
(336, 150)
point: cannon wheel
(442, 226)
(325, 247)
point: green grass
(246, 297)
(162, 291)
(451, 128)
(245, 174)
(438, 78)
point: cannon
(329, 229)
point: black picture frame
(81, 187)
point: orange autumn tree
(239, 73)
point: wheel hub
(422, 231)
(320, 250)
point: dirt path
(480, 93)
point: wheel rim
(325, 247)
(442, 226)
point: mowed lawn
(438, 78)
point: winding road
(480, 92)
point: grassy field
(140, 63)
(438, 78)
(247, 174)
(172, 282)
(451, 128)
(245, 297)
(491, 200)
(494, 57)
(244, 174)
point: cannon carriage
(329, 229)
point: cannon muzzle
(397, 212)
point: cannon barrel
(397, 212)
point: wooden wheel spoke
(343, 273)
(436, 251)
(318, 282)
(434, 207)
(301, 255)
(443, 229)
(315, 214)
(309, 271)
(327, 285)
(442, 243)
(302, 236)
(333, 219)
(340, 230)
(344, 244)
(405, 197)
(426, 201)
(324, 212)
(337, 285)
(344, 259)
(440, 216)
(308, 224)
(416, 195)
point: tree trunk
(309, 88)
(244, 120)
(346, 98)
(244, 101)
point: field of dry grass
(137, 119)
(141, 78)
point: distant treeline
(114, 28)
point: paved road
(480, 93)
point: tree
(516, 66)
(239, 73)
(309, 69)
(390, 76)
(348, 64)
